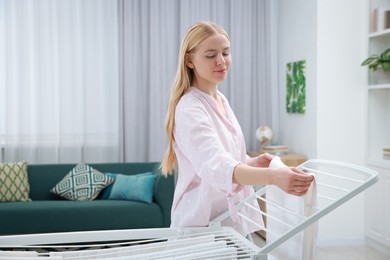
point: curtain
(89, 80)
(152, 33)
(151, 45)
(59, 81)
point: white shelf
(377, 95)
(379, 86)
(381, 34)
(377, 117)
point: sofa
(47, 212)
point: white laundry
(18, 255)
(301, 246)
(159, 250)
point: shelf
(379, 86)
(377, 95)
(377, 117)
(384, 34)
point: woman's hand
(262, 160)
(291, 180)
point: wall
(297, 41)
(331, 36)
(342, 44)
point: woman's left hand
(262, 160)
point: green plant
(376, 61)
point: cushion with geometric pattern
(82, 183)
(14, 184)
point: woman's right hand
(291, 180)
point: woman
(206, 144)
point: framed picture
(296, 87)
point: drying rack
(337, 182)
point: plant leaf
(370, 60)
(387, 53)
(386, 66)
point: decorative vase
(382, 77)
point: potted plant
(380, 65)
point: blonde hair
(197, 33)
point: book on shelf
(380, 18)
(275, 148)
(386, 153)
(387, 20)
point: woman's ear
(188, 61)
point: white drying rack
(337, 182)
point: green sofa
(48, 213)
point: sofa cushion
(14, 184)
(82, 183)
(65, 215)
(137, 187)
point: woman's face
(210, 61)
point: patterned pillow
(82, 183)
(14, 184)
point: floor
(349, 252)
(339, 252)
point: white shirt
(208, 147)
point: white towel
(19, 255)
(301, 246)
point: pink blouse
(208, 147)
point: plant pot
(382, 77)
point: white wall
(342, 44)
(331, 36)
(297, 25)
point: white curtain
(152, 34)
(59, 81)
(151, 45)
(89, 80)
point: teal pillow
(82, 183)
(138, 187)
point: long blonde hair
(183, 80)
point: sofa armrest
(163, 195)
